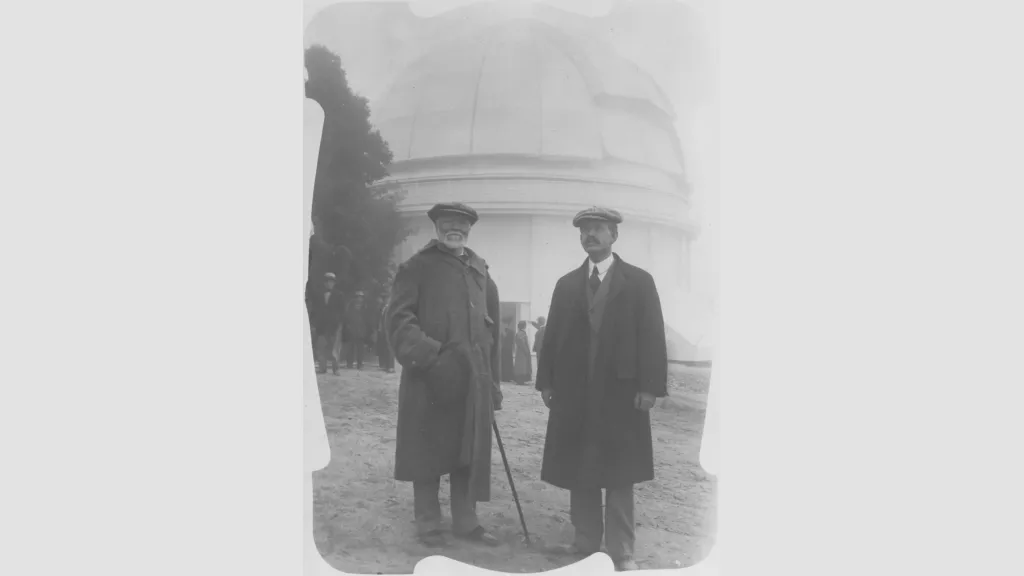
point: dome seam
(476, 92)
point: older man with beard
(443, 326)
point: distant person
(508, 352)
(538, 338)
(384, 357)
(523, 361)
(600, 371)
(442, 326)
(358, 326)
(325, 307)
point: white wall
(504, 241)
(557, 251)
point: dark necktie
(595, 282)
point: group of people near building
(516, 358)
(602, 363)
(343, 326)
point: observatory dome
(523, 87)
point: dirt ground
(364, 518)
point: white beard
(454, 244)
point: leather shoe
(569, 550)
(482, 536)
(626, 565)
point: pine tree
(356, 228)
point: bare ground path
(363, 517)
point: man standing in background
(384, 358)
(325, 311)
(508, 349)
(356, 330)
(538, 338)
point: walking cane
(508, 471)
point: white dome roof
(523, 87)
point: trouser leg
(359, 345)
(585, 501)
(464, 519)
(336, 345)
(350, 353)
(330, 352)
(319, 348)
(426, 506)
(618, 523)
(585, 513)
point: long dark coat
(359, 322)
(523, 362)
(630, 357)
(383, 346)
(437, 299)
(326, 316)
(508, 353)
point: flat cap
(330, 276)
(599, 214)
(452, 208)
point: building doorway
(511, 314)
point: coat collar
(616, 275)
(475, 262)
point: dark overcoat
(383, 346)
(326, 316)
(599, 409)
(523, 369)
(358, 322)
(437, 299)
(538, 339)
(508, 353)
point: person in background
(358, 326)
(538, 338)
(384, 358)
(508, 350)
(325, 305)
(602, 367)
(523, 361)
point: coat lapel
(617, 280)
(474, 262)
(580, 294)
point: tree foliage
(356, 227)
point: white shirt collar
(602, 266)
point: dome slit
(540, 91)
(476, 93)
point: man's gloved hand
(545, 394)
